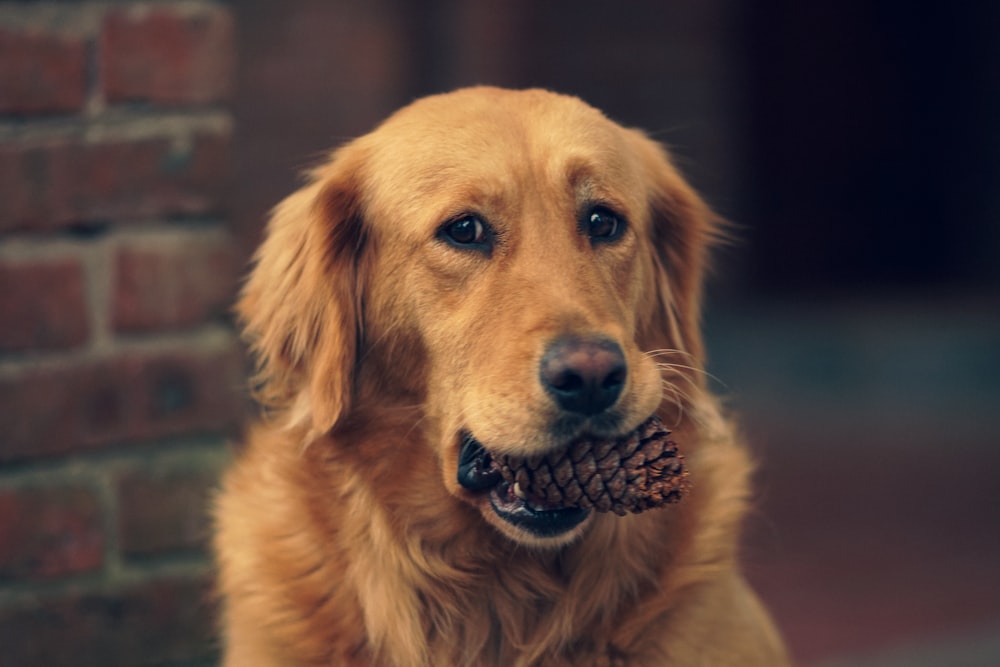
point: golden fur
(343, 537)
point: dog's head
(521, 268)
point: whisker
(669, 350)
(676, 395)
(667, 366)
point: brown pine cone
(641, 471)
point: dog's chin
(526, 521)
(541, 533)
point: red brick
(56, 184)
(141, 396)
(42, 305)
(160, 622)
(41, 72)
(167, 56)
(49, 532)
(173, 284)
(164, 511)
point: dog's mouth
(549, 494)
(479, 472)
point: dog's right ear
(300, 305)
(682, 230)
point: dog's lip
(478, 472)
(537, 520)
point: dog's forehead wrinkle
(521, 185)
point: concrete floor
(980, 649)
(876, 537)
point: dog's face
(513, 262)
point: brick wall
(120, 378)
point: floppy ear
(682, 229)
(300, 305)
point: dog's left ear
(682, 228)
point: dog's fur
(343, 537)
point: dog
(508, 271)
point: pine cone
(638, 472)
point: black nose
(583, 375)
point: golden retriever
(430, 287)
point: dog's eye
(603, 224)
(466, 231)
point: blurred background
(854, 326)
